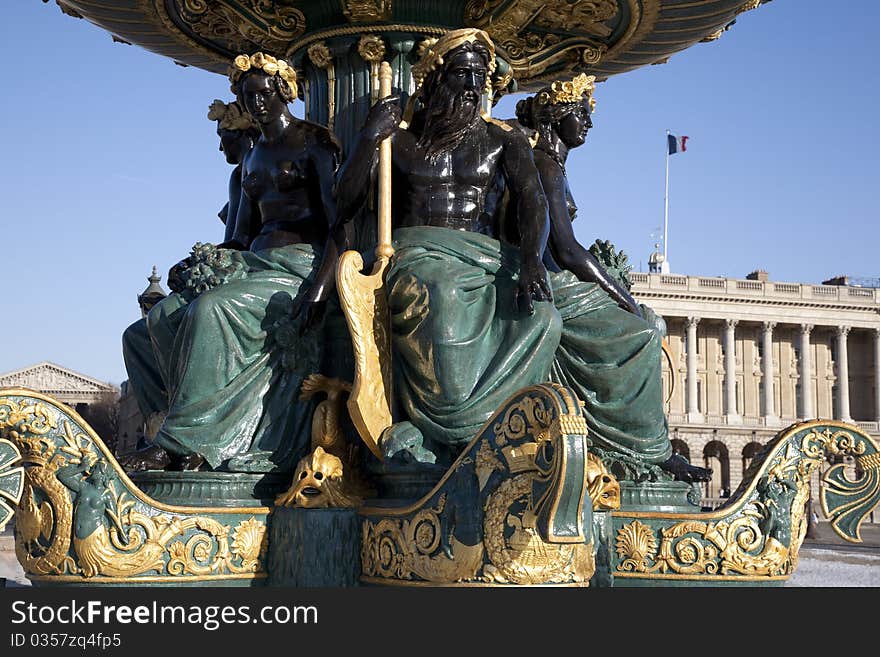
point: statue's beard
(448, 120)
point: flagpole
(666, 203)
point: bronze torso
(461, 190)
(280, 188)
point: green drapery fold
(461, 348)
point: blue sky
(112, 167)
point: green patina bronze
(754, 538)
(230, 348)
(461, 348)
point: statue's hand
(383, 119)
(533, 285)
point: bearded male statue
(475, 319)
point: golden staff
(365, 307)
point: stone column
(693, 411)
(842, 375)
(806, 373)
(730, 371)
(770, 417)
(877, 374)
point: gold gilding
(366, 11)
(420, 544)
(603, 487)
(363, 301)
(320, 56)
(11, 481)
(320, 481)
(243, 24)
(77, 519)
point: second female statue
(234, 342)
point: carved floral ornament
(371, 48)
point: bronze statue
(462, 344)
(560, 116)
(237, 132)
(238, 336)
(450, 164)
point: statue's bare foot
(679, 467)
(148, 458)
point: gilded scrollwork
(405, 549)
(11, 481)
(529, 417)
(512, 510)
(534, 36)
(245, 25)
(78, 518)
(760, 532)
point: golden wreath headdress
(230, 116)
(266, 63)
(570, 91)
(431, 52)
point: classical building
(92, 399)
(748, 357)
(72, 388)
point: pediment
(48, 377)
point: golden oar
(365, 306)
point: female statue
(234, 342)
(237, 131)
(558, 126)
(623, 404)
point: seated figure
(237, 131)
(559, 118)
(234, 342)
(474, 319)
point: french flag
(677, 144)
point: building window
(681, 448)
(715, 456)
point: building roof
(51, 378)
